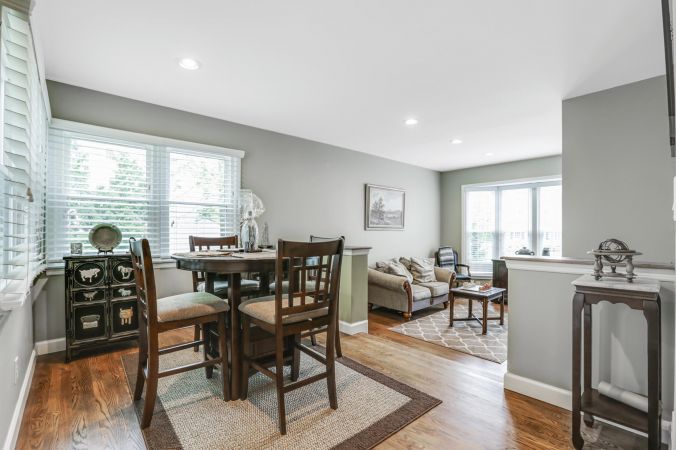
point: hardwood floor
(86, 404)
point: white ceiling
(349, 72)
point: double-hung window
(500, 219)
(161, 189)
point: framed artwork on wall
(384, 208)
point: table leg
(502, 308)
(208, 287)
(484, 319)
(651, 311)
(469, 307)
(451, 299)
(578, 303)
(234, 299)
(264, 284)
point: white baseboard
(15, 424)
(50, 346)
(564, 399)
(538, 390)
(354, 328)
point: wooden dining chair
(285, 288)
(200, 243)
(169, 313)
(339, 350)
(309, 307)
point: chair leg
(295, 364)
(222, 341)
(279, 378)
(313, 340)
(246, 343)
(339, 350)
(142, 360)
(151, 389)
(330, 365)
(209, 370)
(197, 338)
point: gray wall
(452, 182)
(618, 170)
(307, 187)
(16, 338)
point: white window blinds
(24, 124)
(148, 187)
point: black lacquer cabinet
(101, 305)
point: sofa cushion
(422, 270)
(398, 269)
(436, 287)
(420, 293)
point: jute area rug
(464, 336)
(190, 412)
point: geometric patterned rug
(190, 412)
(464, 336)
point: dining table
(234, 264)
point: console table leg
(652, 315)
(578, 302)
(587, 365)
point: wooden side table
(643, 295)
(484, 297)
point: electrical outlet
(16, 370)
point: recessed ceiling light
(490, 154)
(411, 121)
(456, 141)
(189, 64)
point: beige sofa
(395, 292)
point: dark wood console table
(642, 294)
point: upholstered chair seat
(189, 306)
(221, 287)
(263, 308)
(285, 286)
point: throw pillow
(406, 262)
(381, 266)
(422, 270)
(398, 269)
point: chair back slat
(146, 292)
(306, 292)
(199, 243)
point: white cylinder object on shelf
(622, 395)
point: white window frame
(497, 187)
(168, 146)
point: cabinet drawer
(123, 291)
(124, 316)
(89, 273)
(93, 295)
(89, 322)
(121, 270)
